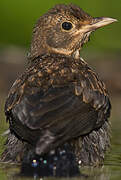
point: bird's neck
(74, 56)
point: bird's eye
(67, 26)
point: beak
(102, 21)
(98, 23)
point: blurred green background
(17, 18)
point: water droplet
(62, 152)
(34, 163)
(45, 161)
(79, 162)
(54, 168)
(52, 152)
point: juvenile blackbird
(59, 98)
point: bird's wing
(58, 113)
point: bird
(59, 98)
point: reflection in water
(58, 163)
(102, 173)
(110, 171)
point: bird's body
(59, 98)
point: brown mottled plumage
(59, 98)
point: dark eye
(67, 26)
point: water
(112, 165)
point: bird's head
(64, 30)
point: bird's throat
(76, 54)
